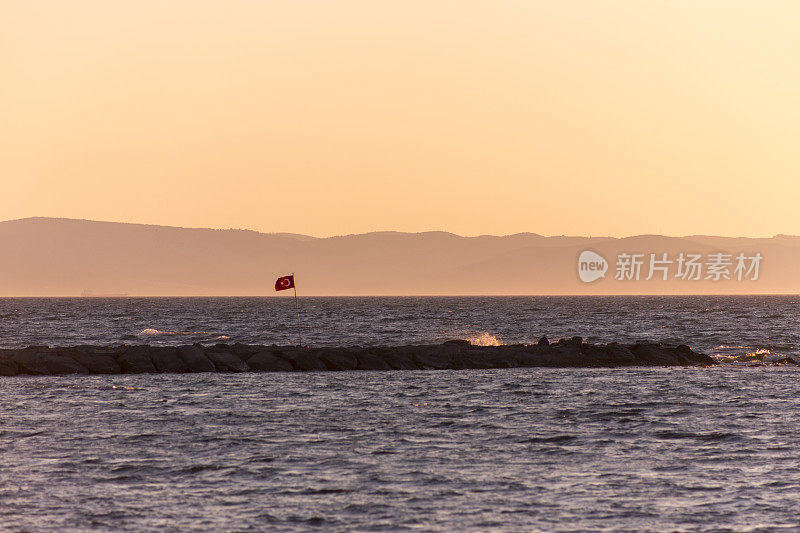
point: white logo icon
(591, 266)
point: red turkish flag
(286, 282)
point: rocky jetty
(452, 355)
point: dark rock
(195, 359)
(653, 354)
(62, 364)
(468, 359)
(458, 342)
(398, 358)
(589, 356)
(700, 359)
(168, 359)
(304, 360)
(427, 358)
(574, 341)
(485, 357)
(31, 361)
(544, 342)
(8, 367)
(136, 360)
(617, 355)
(368, 361)
(96, 363)
(244, 351)
(269, 362)
(538, 356)
(530, 356)
(337, 359)
(568, 354)
(111, 351)
(507, 357)
(227, 362)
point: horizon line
(301, 296)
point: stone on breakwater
(398, 358)
(453, 355)
(195, 359)
(62, 364)
(654, 354)
(8, 367)
(268, 362)
(368, 361)
(428, 359)
(32, 361)
(244, 351)
(619, 354)
(168, 359)
(574, 341)
(540, 356)
(96, 363)
(304, 361)
(509, 358)
(336, 359)
(543, 341)
(227, 362)
(468, 359)
(136, 360)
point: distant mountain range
(66, 257)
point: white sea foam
(152, 332)
(484, 339)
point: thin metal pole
(297, 309)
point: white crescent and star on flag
(284, 282)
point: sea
(627, 449)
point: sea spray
(484, 339)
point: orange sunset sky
(330, 117)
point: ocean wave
(484, 339)
(151, 332)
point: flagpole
(297, 310)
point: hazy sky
(328, 117)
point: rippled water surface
(515, 450)
(722, 326)
(478, 450)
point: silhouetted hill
(64, 257)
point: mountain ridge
(46, 256)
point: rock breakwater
(452, 355)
